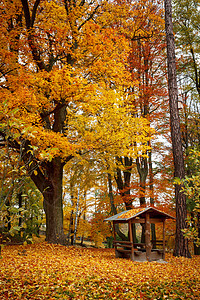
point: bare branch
(89, 17)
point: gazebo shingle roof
(139, 212)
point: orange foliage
(99, 229)
(130, 213)
(45, 271)
(63, 89)
(76, 68)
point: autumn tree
(61, 70)
(187, 43)
(181, 243)
(186, 26)
(147, 92)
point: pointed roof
(139, 213)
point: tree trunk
(152, 201)
(8, 217)
(49, 180)
(49, 174)
(181, 244)
(53, 203)
(20, 206)
(113, 207)
(110, 194)
(76, 217)
(151, 178)
(124, 185)
(142, 168)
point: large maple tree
(62, 69)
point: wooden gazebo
(140, 251)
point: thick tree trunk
(48, 177)
(53, 203)
(181, 244)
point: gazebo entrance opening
(141, 218)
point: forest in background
(84, 115)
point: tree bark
(142, 168)
(113, 207)
(20, 206)
(48, 179)
(124, 185)
(152, 201)
(181, 244)
(53, 203)
(151, 178)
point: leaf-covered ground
(43, 271)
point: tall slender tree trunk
(113, 207)
(181, 244)
(142, 168)
(8, 217)
(123, 181)
(20, 206)
(152, 201)
(151, 177)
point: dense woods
(87, 125)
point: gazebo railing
(123, 246)
(156, 243)
(127, 245)
(137, 251)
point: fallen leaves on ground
(46, 271)
(130, 213)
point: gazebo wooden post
(114, 232)
(164, 238)
(117, 254)
(131, 239)
(147, 236)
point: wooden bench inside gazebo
(140, 251)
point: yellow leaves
(58, 85)
(85, 76)
(107, 123)
(53, 271)
(103, 54)
(52, 144)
